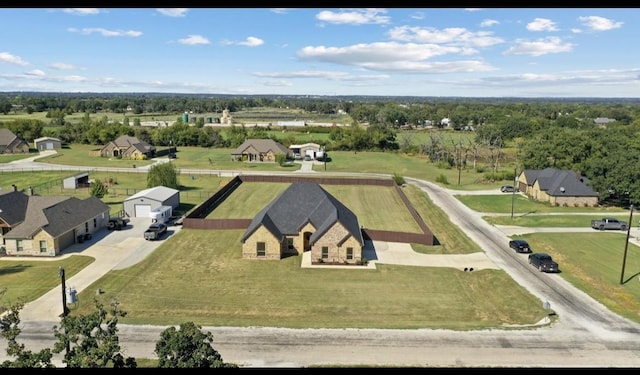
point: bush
(442, 179)
(399, 180)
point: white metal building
(143, 202)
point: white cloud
(472, 9)
(542, 24)
(249, 42)
(417, 15)
(354, 16)
(173, 12)
(8, 58)
(82, 11)
(277, 84)
(105, 32)
(279, 10)
(194, 40)
(597, 23)
(392, 56)
(62, 66)
(539, 47)
(453, 36)
(488, 23)
(252, 42)
(320, 74)
(36, 72)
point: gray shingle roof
(158, 193)
(262, 146)
(6, 137)
(560, 182)
(56, 215)
(302, 203)
(13, 207)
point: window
(95, 222)
(19, 245)
(86, 227)
(290, 243)
(349, 253)
(325, 252)
(43, 246)
(261, 249)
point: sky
(431, 52)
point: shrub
(442, 179)
(399, 180)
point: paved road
(586, 334)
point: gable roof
(126, 141)
(158, 193)
(6, 137)
(302, 203)
(56, 215)
(263, 146)
(13, 207)
(560, 182)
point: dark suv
(520, 246)
(543, 262)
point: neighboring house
(259, 150)
(301, 150)
(143, 202)
(128, 147)
(11, 143)
(47, 143)
(32, 225)
(304, 217)
(558, 187)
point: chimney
(15, 188)
(30, 191)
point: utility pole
(626, 244)
(515, 186)
(65, 309)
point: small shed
(143, 202)
(80, 180)
(47, 143)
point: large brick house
(558, 187)
(32, 225)
(259, 150)
(305, 217)
(128, 147)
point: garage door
(143, 210)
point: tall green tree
(10, 330)
(91, 341)
(188, 347)
(98, 189)
(165, 174)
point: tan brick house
(305, 217)
(11, 143)
(558, 187)
(128, 147)
(259, 150)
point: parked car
(508, 189)
(520, 246)
(543, 262)
(117, 223)
(307, 158)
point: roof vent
(562, 189)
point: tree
(98, 189)
(188, 347)
(91, 341)
(164, 174)
(9, 330)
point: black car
(520, 246)
(543, 262)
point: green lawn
(523, 205)
(551, 220)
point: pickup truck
(609, 223)
(155, 231)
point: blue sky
(463, 52)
